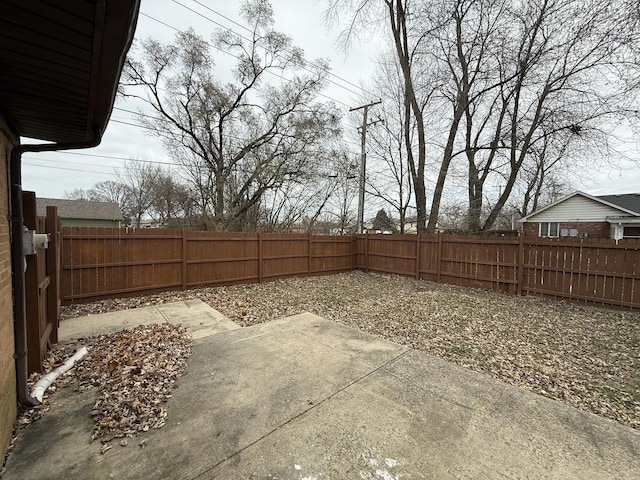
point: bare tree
(112, 191)
(137, 181)
(341, 206)
(389, 177)
(510, 77)
(556, 67)
(398, 15)
(237, 139)
(172, 202)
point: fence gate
(42, 284)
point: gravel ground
(585, 356)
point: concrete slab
(389, 427)
(195, 314)
(305, 398)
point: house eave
(623, 220)
(60, 64)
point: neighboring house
(582, 215)
(60, 63)
(82, 213)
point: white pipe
(46, 380)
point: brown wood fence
(42, 284)
(102, 263)
(109, 262)
(593, 271)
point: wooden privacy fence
(111, 262)
(103, 263)
(42, 284)
(594, 271)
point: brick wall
(591, 229)
(8, 397)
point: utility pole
(363, 159)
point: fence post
(418, 256)
(184, 259)
(439, 262)
(309, 251)
(354, 263)
(520, 269)
(31, 289)
(53, 271)
(366, 252)
(259, 257)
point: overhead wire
(235, 137)
(249, 30)
(28, 163)
(248, 39)
(237, 57)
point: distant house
(82, 213)
(582, 215)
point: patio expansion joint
(304, 412)
(161, 313)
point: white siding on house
(576, 209)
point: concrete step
(195, 314)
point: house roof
(627, 204)
(628, 201)
(60, 64)
(84, 209)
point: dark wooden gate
(42, 284)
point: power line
(68, 169)
(75, 164)
(249, 40)
(238, 58)
(154, 130)
(249, 30)
(129, 159)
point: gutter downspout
(17, 256)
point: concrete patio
(306, 398)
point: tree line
(490, 107)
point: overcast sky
(53, 174)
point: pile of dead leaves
(134, 372)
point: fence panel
(330, 254)
(597, 272)
(284, 255)
(391, 253)
(109, 262)
(488, 263)
(220, 258)
(430, 252)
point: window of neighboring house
(549, 229)
(631, 232)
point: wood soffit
(60, 63)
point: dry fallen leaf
(584, 356)
(112, 365)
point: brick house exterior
(583, 229)
(582, 215)
(8, 407)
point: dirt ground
(585, 356)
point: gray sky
(52, 174)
